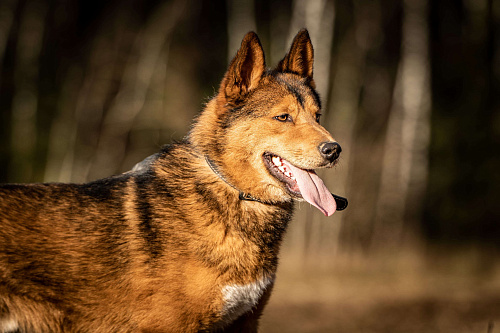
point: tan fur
(171, 247)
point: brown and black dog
(188, 241)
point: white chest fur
(241, 298)
(8, 326)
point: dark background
(411, 91)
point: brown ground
(451, 293)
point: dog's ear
(300, 58)
(245, 70)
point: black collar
(242, 195)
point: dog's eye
(318, 116)
(283, 117)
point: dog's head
(263, 128)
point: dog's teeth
(282, 168)
(276, 160)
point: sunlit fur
(169, 247)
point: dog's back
(61, 246)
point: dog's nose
(330, 150)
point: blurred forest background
(410, 88)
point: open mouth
(279, 170)
(301, 183)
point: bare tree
(318, 16)
(404, 174)
(25, 99)
(240, 20)
(7, 9)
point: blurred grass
(455, 291)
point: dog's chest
(241, 298)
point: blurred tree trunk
(318, 16)
(240, 20)
(7, 24)
(357, 111)
(404, 175)
(25, 99)
(462, 201)
(7, 8)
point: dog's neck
(242, 195)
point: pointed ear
(245, 70)
(300, 58)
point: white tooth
(281, 168)
(276, 160)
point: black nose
(330, 150)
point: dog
(188, 240)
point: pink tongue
(313, 189)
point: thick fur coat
(189, 240)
